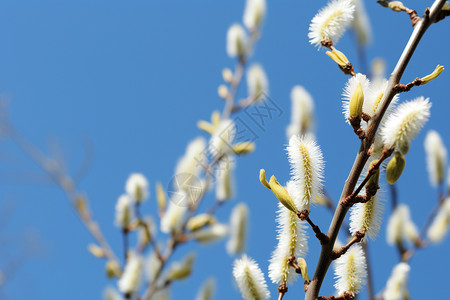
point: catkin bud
(338, 57)
(282, 195)
(113, 269)
(433, 75)
(181, 270)
(395, 167)
(356, 102)
(96, 251)
(199, 221)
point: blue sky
(133, 79)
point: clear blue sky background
(134, 77)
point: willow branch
(363, 153)
(66, 183)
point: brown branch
(359, 235)
(322, 237)
(401, 88)
(362, 156)
(345, 296)
(282, 289)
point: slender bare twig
(66, 183)
(363, 153)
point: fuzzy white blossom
(400, 226)
(238, 229)
(250, 279)
(191, 164)
(257, 82)
(349, 89)
(137, 187)
(110, 293)
(130, 280)
(373, 98)
(361, 23)
(173, 218)
(306, 160)
(292, 241)
(302, 112)
(350, 271)
(152, 264)
(331, 21)
(396, 286)
(254, 13)
(440, 225)
(436, 157)
(224, 179)
(236, 41)
(367, 217)
(207, 290)
(222, 140)
(405, 123)
(124, 211)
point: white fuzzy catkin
(222, 140)
(173, 219)
(436, 157)
(373, 98)
(349, 89)
(396, 286)
(250, 279)
(350, 271)
(254, 13)
(238, 229)
(331, 21)
(292, 241)
(257, 82)
(137, 187)
(130, 280)
(306, 161)
(224, 179)
(405, 122)
(440, 225)
(207, 290)
(191, 163)
(236, 41)
(124, 211)
(367, 217)
(400, 226)
(302, 112)
(110, 293)
(361, 23)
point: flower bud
(227, 75)
(395, 167)
(181, 270)
(96, 251)
(338, 57)
(243, 147)
(113, 269)
(160, 196)
(433, 75)
(200, 221)
(357, 101)
(282, 195)
(301, 262)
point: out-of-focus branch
(67, 184)
(363, 153)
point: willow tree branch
(363, 153)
